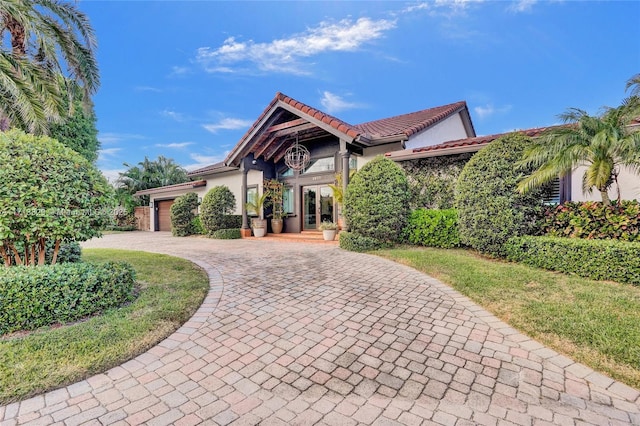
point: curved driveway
(299, 333)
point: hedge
(596, 259)
(359, 243)
(594, 220)
(227, 234)
(433, 228)
(35, 297)
(182, 214)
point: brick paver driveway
(295, 333)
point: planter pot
(276, 225)
(329, 234)
(259, 227)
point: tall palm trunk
(18, 35)
(605, 197)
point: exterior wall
(450, 129)
(629, 186)
(143, 218)
(371, 153)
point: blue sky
(185, 79)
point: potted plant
(338, 196)
(329, 230)
(254, 207)
(275, 190)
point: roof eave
(411, 155)
(170, 188)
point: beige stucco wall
(629, 186)
(232, 180)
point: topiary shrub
(595, 220)
(490, 210)
(68, 253)
(217, 204)
(596, 259)
(196, 225)
(227, 234)
(359, 243)
(433, 228)
(231, 221)
(35, 297)
(183, 214)
(376, 204)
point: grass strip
(596, 323)
(171, 290)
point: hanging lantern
(297, 157)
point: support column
(245, 231)
(345, 155)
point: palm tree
(151, 174)
(602, 143)
(51, 48)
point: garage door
(164, 215)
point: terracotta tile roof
(409, 124)
(168, 188)
(217, 167)
(473, 144)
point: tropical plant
(48, 192)
(328, 226)
(78, 131)
(217, 204)
(150, 174)
(490, 209)
(376, 203)
(51, 48)
(256, 204)
(603, 143)
(275, 194)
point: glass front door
(317, 203)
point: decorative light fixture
(297, 157)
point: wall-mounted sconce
(254, 162)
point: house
(333, 146)
(288, 131)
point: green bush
(490, 210)
(433, 228)
(124, 228)
(196, 225)
(68, 253)
(183, 213)
(594, 220)
(35, 297)
(360, 243)
(231, 221)
(376, 204)
(227, 234)
(218, 203)
(596, 259)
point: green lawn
(171, 290)
(594, 322)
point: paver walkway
(295, 333)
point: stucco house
(336, 146)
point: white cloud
(112, 175)
(177, 71)
(447, 8)
(333, 103)
(109, 151)
(203, 161)
(177, 116)
(110, 138)
(485, 111)
(521, 6)
(228, 124)
(177, 145)
(283, 55)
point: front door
(317, 203)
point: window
(353, 163)
(287, 200)
(252, 194)
(551, 194)
(327, 164)
(287, 172)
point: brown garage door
(164, 215)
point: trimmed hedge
(490, 209)
(231, 221)
(596, 259)
(433, 228)
(359, 243)
(182, 214)
(227, 234)
(594, 220)
(217, 204)
(35, 297)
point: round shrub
(376, 204)
(490, 210)
(227, 234)
(217, 204)
(359, 243)
(183, 214)
(35, 297)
